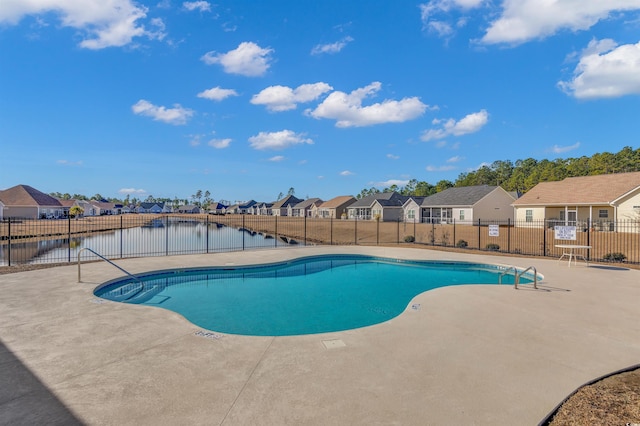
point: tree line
(522, 175)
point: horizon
(248, 100)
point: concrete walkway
(485, 355)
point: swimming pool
(305, 296)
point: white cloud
(525, 20)
(176, 115)
(282, 98)
(247, 59)
(202, 6)
(391, 182)
(348, 111)
(276, 158)
(346, 173)
(561, 149)
(435, 15)
(439, 169)
(455, 159)
(102, 23)
(469, 124)
(217, 94)
(131, 191)
(332, 47)
(220, 143)
(278, 140)
(70, 163)
(605, 70)
(393, 157)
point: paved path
(485, 355)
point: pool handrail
(535, 277)
(106, 260)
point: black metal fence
(140, 235)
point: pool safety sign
(565, 232)
(494, 230)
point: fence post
(69, 239)
(275, 240)
(9, 236)
(207, 231)
(331, 230)
(355, 228)
(509, 235)
(166, 243)
(544, 237)
(454, 233)
(588, 238)
(305, 229)
(398, 230)
(121, 236)
(479, 234)
(378, 231)
(243, 232)
(433, 233)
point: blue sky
(248, 99)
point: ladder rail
(106, 260)
(535, 277)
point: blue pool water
(309, 295)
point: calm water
(313, 295)
(153, 240)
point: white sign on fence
(565, 232)
(494, 230)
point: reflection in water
(156, 238)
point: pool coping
(464, 354)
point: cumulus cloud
(220, 143)
(102, 23)
(176, 115)
(131, 191)
(348, 111)
(391, 182)
(436, 15)
(247, 59)
(283, 98)
(439, 168)
(469, 124)
(346, 173)
(331, 47)
(202, 6)
(557, 149)
(217, 94)
(278, 140)
(605, 70)
(525, 20)
(455, 159)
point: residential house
(303, 208)
(264, 209)
(153, 207)
(334, 208)
(412, 210)
(217, 208)
(281, 207)
(241, 208)
(26, 202)
(189, 209)
(467, 204)
(601, 201)
(384, 206)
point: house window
(411, 214)
(603, 214)
(528, 214)
(461, 214)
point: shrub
(409, 239)
(462, 244)
(493, 246)
(614, 257)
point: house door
(572, 217)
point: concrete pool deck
(478, 354)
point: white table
(569, 250)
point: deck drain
(415, 306)
(334, 343)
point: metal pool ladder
(106, 260)
(517, 276)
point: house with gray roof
(26, 202)
(467, 204)
(281, 207)
(384, 206)
(303, 208)
(241, 208)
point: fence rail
(140, 235)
